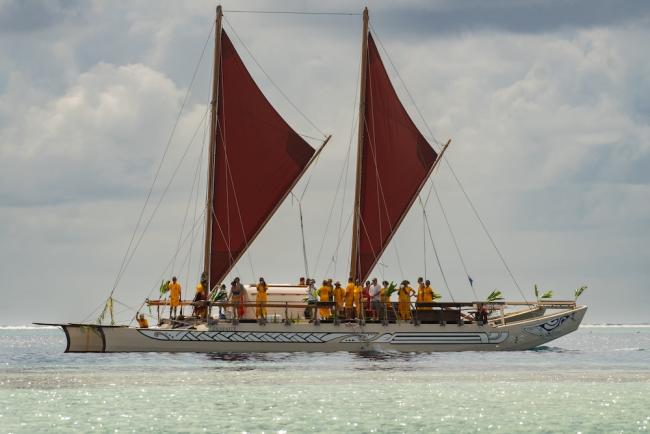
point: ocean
(596, 380)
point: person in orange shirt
(358, 299)
(404, 306)
(349, 298)
(261, 300)
(324, 294)
(174, 297)
(339, 297)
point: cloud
(18, 16)
(94, 141)
(546, 104)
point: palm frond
(579, 292)
(547, 294)
(391, 289)
(495, 295)
(536, 292)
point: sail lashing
(257, 159)
(395, 161)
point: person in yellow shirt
(174, 297)
(420, 295)
(404, 306)
(429, 295)
(142, 321)
(349, 298)
(261, 299)
(324, 294)
(339, 298)
(358, 298)
(200, 309)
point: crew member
(200, 308)
(358, 298)
(349, 298)
(236, 298)
(339, 297)
(142, 321)
(324, 294)
(375, 298)
(261, 299)
(404, 306)
(174, 297)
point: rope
(292, 12)
(452, 171)
(273, 82)
(478, 217)
(124, 264)
(302, 233)
(347, 225)
(435, 252)
(355, 121)
(189, 202)
(164, 272)
(453, 237)
(222, 133)
(162, 196)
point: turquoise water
(595, 380)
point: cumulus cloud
(546, 104)
(96, 140)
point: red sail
(258, 159)
(396, 162)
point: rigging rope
(124, 264)
(453, 237)
(435, 251)
(273, 82)
(162, 196)
(341, 178)
(292, 12)
(302, 233)
(426, 124)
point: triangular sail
(258, 158)
(395, 162)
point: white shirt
(375, 292)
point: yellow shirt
(358, 293)
(349, 294)
(339, 295)
(174, 294)
(405, 294)
(261, 293)
(383, 293)
(427, 296)
(324, 293)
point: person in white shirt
(375, 298)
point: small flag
(471, 281)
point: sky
(547, 104)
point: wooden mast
(356, 223)
(212, 151)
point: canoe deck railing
(419, 313)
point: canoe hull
(253, 337)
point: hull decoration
(306, 337)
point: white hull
(306, 337)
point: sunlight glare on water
(596, 380)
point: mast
(212, 148)
(354, 260)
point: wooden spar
(311, 160)
(212, 151)
(410, 205)
(354, 260)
